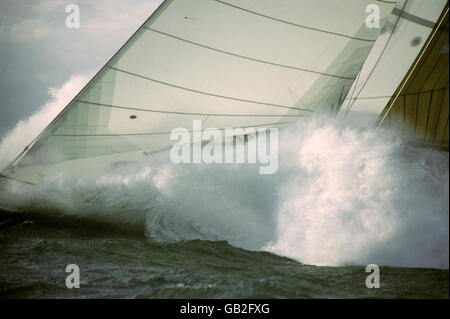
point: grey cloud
(38, 51)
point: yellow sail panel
(418, 111)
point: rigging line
(162, 133)
(413, 68)
(341, 95)
(207, 93)
(249, 58)
(385, 1)
(291, 23)
(378, 60)
(349, 104)
(353, 91)
(339, 101)
(186, 113)
(352, 88)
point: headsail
(230, 63)
(404, 81)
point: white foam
(342, 195)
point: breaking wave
(341, 196)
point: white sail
(403, 37)
(230, 63)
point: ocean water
(115, 263)
(342, 198)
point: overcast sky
(38, 51)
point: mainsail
(230, 63)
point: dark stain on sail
(416, 41)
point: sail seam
(292, 23)
(186, 113)
(161, 133)
(207, 93)
(249, 58)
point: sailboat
(252, 63)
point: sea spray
(342, 195)
(357, 196)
